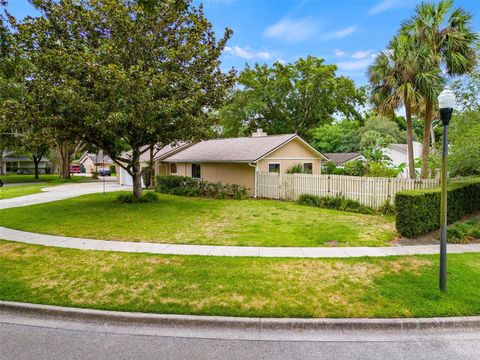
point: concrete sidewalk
(211, 250)
(60, 192)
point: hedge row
(418, 211)
(187, 186)
(334, 202)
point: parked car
(75, 169)
(104, 172)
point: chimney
(259, 133)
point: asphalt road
(23, 339)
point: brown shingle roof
(340, 158)
(242, 149)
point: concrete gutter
(220, 327)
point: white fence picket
(368, 191)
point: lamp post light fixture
(446, 100)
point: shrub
(418, 211)
(354, 168)
(336, 203)
(187, 186)
(328, 167)
(387, 208)
(148, 197)
(113, 169)
(461, 233)
(377, 169)
(295, 169)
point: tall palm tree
(395, 75)
(449, 35)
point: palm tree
(452, 44)
(395, 75)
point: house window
(12, 166)
(173, 168)
(274, 167)
(308, 168)
(196, 173)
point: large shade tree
(449, 36)
(288, 98)
(126, 74)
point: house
(20, 164)
(398, 153)
(124, 178)
(237, 160)
(340, 159)
(95, 161)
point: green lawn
(8, 192)
(13, 178)
(267, 287)
(185, 220)
(31, 187)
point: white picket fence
(369, 191)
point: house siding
(293, 153)
(226, 173)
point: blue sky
(347, 33)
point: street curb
(235, 323)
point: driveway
(61, 192)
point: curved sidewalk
(211, 250)
(72, 190)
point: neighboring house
(340, 159)
(124, 178)
(94, 162)
(237, 160)
(398, 154)
(19, 164)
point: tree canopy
(288, 98)
(125, 74)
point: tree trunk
(1, 162)
(65, 161)
(136, 174)
(427, 127)
(151, 167)
(411, 164)
(36, 162)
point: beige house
(124, 178)
(237, 160)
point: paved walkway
(60, 192)
(210, 250)
(71, 190)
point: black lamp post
(446, 100)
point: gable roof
(341, 158)
(100, 157)
(241, 149)
(403, 147)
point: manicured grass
(13, 178)
(29, 188)
(267, 287)
(176, 219)
(21, 190)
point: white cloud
(340, 34)
(361, 54)
(361, 63)
(247, 53)
(338, 52)
(382, 6)
(292, 30)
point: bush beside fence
(418, 211)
